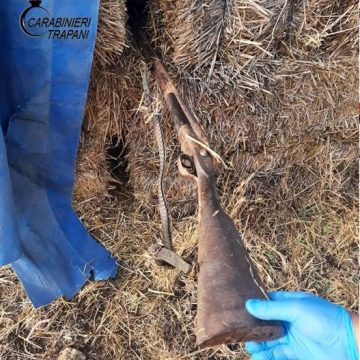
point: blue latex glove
(315, 329)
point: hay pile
(274, 84)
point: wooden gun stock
(227, 278)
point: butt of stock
(227, 279)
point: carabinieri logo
(36, 21)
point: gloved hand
(315, 329)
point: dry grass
(273, 83)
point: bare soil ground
(274, 84)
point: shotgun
(227, 277)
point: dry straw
(274, 85)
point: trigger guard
(186, 171)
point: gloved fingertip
(251, 305)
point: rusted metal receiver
(227, 277)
